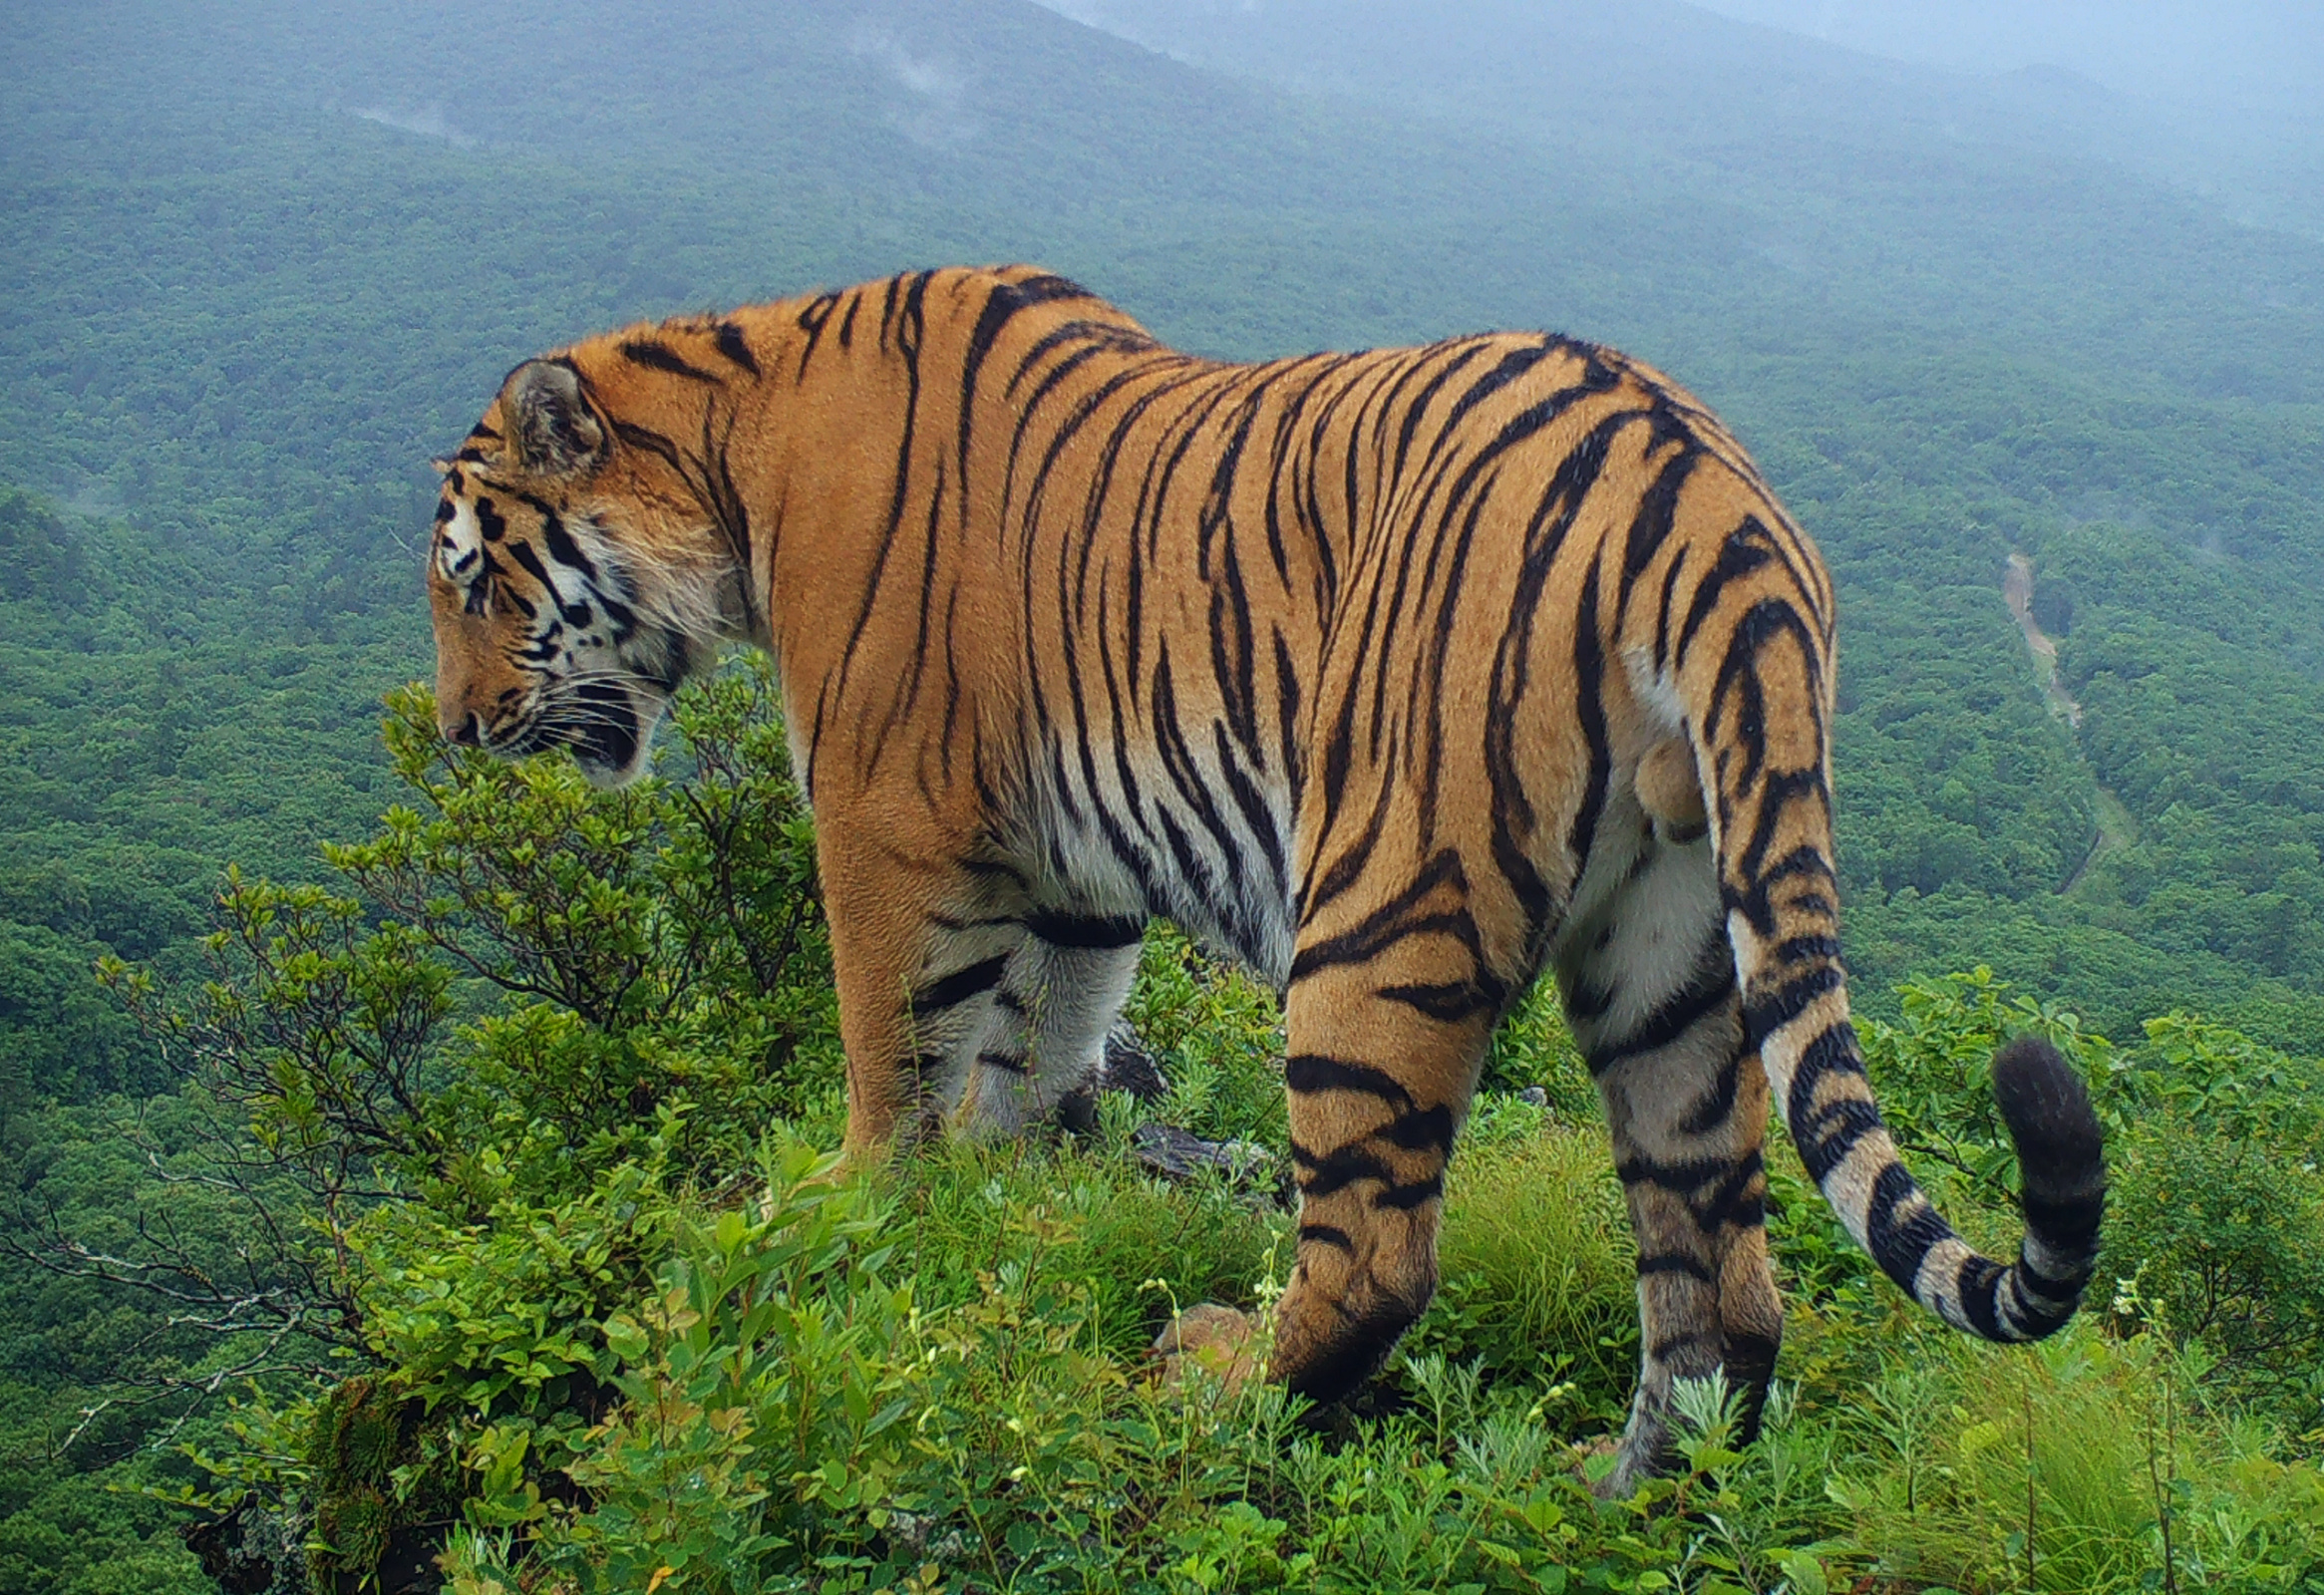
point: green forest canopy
(264, 264)
(255, 300)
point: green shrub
(1219, 1036)
(2225, 1238)
(1534, 1048)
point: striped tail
(1819, 1086)
(1759, 719)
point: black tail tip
(2060, 1145)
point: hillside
(267, 259)
(248, 336)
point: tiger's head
(575, 580)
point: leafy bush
(2225, 1236)
(1218, 1034)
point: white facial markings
(460, 545)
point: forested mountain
(271, 262)
(264, 259)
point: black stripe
(1321, 1176)
(1679, 1178)
(1447, 1002)
(1757, 901)
(1588, 1000)
(1395, 920)
(1676, 1013)
(1005, 1060)
(1834, 1051)
(523, 553)
(561, 546)
(959, 986)
(2066, 1224)
(1712, 1108)
(1064, 929)
(1764, 1016)
(1423, 1130)
(1826, 1136)
(1737, 557)
(1900, 1248)
(735, 347)
(1657, 509)
(661, 357)
(1741, 1198)
(1411, 1194)
(1307, 1073)
(1978, 1286)
(1344, 871)
(818, 314)
(1676, 1263)
(1663, 1350)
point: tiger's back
(1401, 675)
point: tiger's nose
(466, 731)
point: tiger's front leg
(1388, 1015)
(964, 1006)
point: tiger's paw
(1219, 1341)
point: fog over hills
(2222, 100)
(1971, 281)
(2265, 56)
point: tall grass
(2055, 1468)
(1538, 1266)
(1139, 1246)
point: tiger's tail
(1757, 716)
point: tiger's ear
(557, 434)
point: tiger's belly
(1187, 830)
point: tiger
(1402, 677)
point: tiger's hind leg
(1650, 988)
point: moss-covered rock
(384, 1495)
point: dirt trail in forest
(2017, 588)
(2115, 828)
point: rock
(1177, 1153)
(1215, 1338)
(1076, 1111)
(1537, 1095)
(1123, 1066)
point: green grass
(1538, 1263)
(991, 1304)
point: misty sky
(2259, 54)
(2266, 51)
